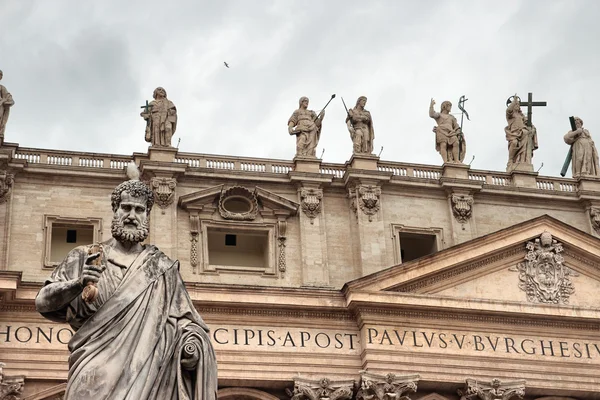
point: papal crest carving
(496, 390)
(6, 183)
(543, 276)
(384, 387)
(323, 389)
(595, 218)
(164, 191)
(311, 202)
(368, 199)
(462, 207)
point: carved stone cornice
(11, 387)
(495, 390)
(543, 275)
(6, 183)
(386, 387)
(462, 207)
(322, 389)
(311, 201)
(164, 191)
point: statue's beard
(133, 236)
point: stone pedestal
(525, 179)
(307, 164)
(163, 154)
(522, 167)
(455, 171)
(363, 161)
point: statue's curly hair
(135, 188)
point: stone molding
(462, 207)
(164, 191)
(6, 183)
(495, 390)
(242, 194)
(311, 202)
(234, 393)
(543, 276)
(322, 389)
(386, 387)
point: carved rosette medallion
(495, 390)
(11, 387)
(384, 387)
(6, 184)
(311, 200)
(238, 203)
(543, 276)
(323, 389)
(369, 199)
(164, 191)
(462, 207)
(594, 217)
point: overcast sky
(80, 70)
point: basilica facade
(371, 279)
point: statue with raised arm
(585, 154)
(360, 126)
(161, 119)
(138, 336)
(6, 102)
(522, 140)
(449, 140)
(306, 125)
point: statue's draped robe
(364, 135)
(521, 141)
(585, 155)
(128, 343)
(5, 108)
(163, 112)
(308, 131)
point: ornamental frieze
(322, 389)
(386, 387)
(495, 390)
(543, 275)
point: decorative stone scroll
(496, 390)
(195, 236)
(238, 203)
(543, 276)
(386, 387)
(281, 238)
(164, 191)
(462, 207)
(11, 387)
(369, 199)
(594, 217)
(323, 389)
(311, 200)
(6, 184)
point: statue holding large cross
(521, 134)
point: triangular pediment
(509, 265)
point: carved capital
(462, 207)
(311, 200)
(164, 191)
(595, 218)
(368, 198)
(495, 390)
(11, 387)
(543, 275)
(386, 387)
(6, 184)
(322, 389)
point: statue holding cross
(521, 134)
(161, 119)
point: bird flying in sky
(225, 62)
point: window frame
(75, 222)
(397, 229)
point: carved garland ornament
(496, 390)
(462, 207)
(281, 237)
(164, 191)
(238, 203)
(6, 184)
(311, 200)
(323, 389)
(384, 387)
(542, 275)
(595, 218)
(195, 236)
(369, 199)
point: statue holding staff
(583, 150)
(360, 126)
(6, 102)
(161, 119)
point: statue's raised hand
(90, 272)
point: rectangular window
(411, 243)
(63, 234)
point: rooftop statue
(6, 102)
(584, 153)
(360, 126)
(520, 135)
(449, 140)
(161, 119)
(306, 125)
(138, 335)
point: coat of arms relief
(543, 275)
